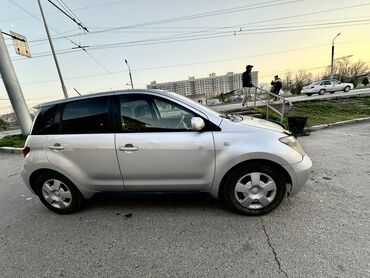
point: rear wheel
(254, 189)
(347, 88)
(321, 92)
(58, 194)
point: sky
(169, 40)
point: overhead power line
(78, 22)
(282, 28)
(211, 29)
(76, 9)
(78, 46)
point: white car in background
(323, 86)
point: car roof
(101, 94)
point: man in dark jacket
(277, 86)
(247, 84)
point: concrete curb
(11, 150)
(341, 123)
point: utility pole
(129, 72)
(332, 56)
(53, 51)
(14, 89)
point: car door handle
(128, 148)
(56, 147)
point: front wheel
(255, 189)
(58, 193)
(347, 88)
(321, 92)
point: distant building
(210, 86)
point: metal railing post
(282, 111)
(267, 106)
(255, 97)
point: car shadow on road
(158, 201)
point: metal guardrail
(268, 102)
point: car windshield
(229, 116)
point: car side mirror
(197, 123)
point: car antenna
(77, 91)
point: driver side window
(142, 113)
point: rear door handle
(56, 147)
(128, 148)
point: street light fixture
(129, 72)
(332, 56)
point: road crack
(273, 250)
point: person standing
(277, 85)
(247, 84)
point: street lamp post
(129, 72)
(332, 56)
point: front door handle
(56, 147)
(128, 148)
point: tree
(302, 78)
(354, 81)
(359, 68)
(3, 125)
(288, 81)
(222, 97)
(365, 81)
(345, 70)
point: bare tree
(302, 78)
(359, 68)
(288, 80)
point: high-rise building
(210, 86)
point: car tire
(347, 89)
(321, 92)
(309, 95)
(58, 193)
(254, 189)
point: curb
(11, 150)
(341, 123)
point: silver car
(152, 140)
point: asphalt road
(323, 231)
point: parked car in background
(152, 140)
(323, 86)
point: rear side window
(47, 121)
(86, 116)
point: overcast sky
(168, 40)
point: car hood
(260, 123)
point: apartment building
(210, 86)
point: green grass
(15, 141)
(326, 111)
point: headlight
(293, 143)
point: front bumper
(299, 173)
